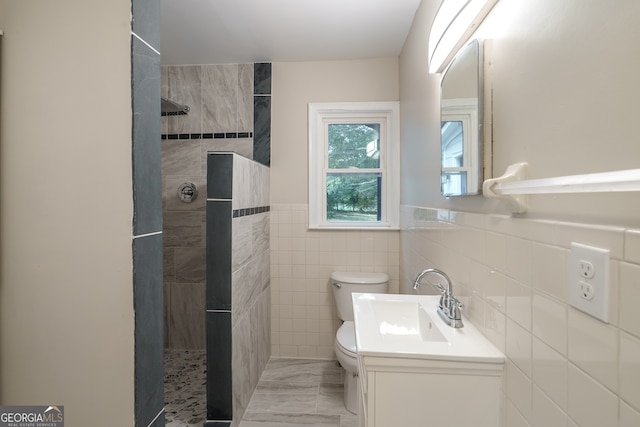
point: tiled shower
(229, 112)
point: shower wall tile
(242, 180)
(187, 322)
(261, 229)
(218, 255)
(242, 146)
(145, 21)
(248, 282)
(220, 81)
(185, 88)
(241, 241)
(253, 179)
(219, 362)
(167, 312)
(168, 265)
(225, 106)
(220, 97)
(238, 262)
(244, 365)
(181, 157)
(190, 265)
(164, 81)
(261, 328)
(171, 200)
(146, 135)
(148, 303)
(245, 97)
(182, 229)
(262, 129)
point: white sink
(404, 320)
(407, 326)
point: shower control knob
(187, 192)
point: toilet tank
(345, 283)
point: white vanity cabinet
(417, 392)
(417, 371)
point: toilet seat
(346, 339)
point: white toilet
(344, 284)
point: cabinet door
(410, 399)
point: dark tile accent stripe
(262, 78)
(219, 378)
(237, 213)
(219, 175)
(148, 301)
(146, 21)
(209, 135)
(262, 129)
(219, 255)
(146, 152)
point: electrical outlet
(586, 290)
(589, 280)
(586, 269)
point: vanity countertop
(408, 327)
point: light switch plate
(589, 280)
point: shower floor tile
(185, 388)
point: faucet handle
(456, 303)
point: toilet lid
(346, 337)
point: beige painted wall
(294, 86)
(303, 318)
(565, 100)
(66, 300)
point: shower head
(170, 108)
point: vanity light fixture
(455, 22)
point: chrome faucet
(449, 306)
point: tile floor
(290, 393)
(299, 392)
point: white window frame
(323, 114)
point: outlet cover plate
(596, 301)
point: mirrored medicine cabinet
(461, 119)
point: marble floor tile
(290, 420)
(291, 403)
(279, 387)
(331, 399)
(303, 370)
(299, 392)
(290, 393)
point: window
(354, 160)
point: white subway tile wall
(304, 320)
(564, 368)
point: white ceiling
(242, 31)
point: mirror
(461, 138)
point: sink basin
(408, 326)
(404, 320)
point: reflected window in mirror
(461, 118)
